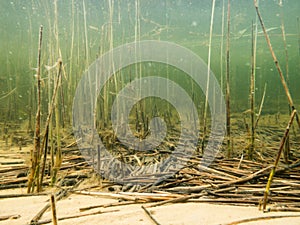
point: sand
(25, 208)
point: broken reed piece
(284, 84)
(44, 145)
(53, 208)
(35, 154)
(267, 190)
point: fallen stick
(9, 217)
(272, 173)
(260, 218)
(22, 195)
(59, 196)
(176, 200)
(107, 205)
(150, 216)
(75, 216)
(225, 184)
(110, 195)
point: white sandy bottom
(175, 214)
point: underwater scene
(140, 90)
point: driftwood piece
(150, 216)
(9, 217)
(75, 216)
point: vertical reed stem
(221, 49)
(298, 28)
(252, 92)
(284, 84)
(48, 121)
(229, 150)
(53, 208)
(37, 142)
(208, 75)
(272, 173)
(260, 107)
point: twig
(176, 200)
(75, 216)
(59, 196)
(260, 218)
(9, 217)
(108, 205)
(150, 216)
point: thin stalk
(222, 48)
(229, 150)
(287, 143)
(252, 92)
(70, 86)
(285, 45)
(272, 173)
(284, 84)
(298, 28)
(208, 75)
(37, 142)
(58, 156)
(48, 121)
(53, 209)
(261, 106)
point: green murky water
(80, 31)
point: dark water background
(185, 22)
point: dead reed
(208, 75)
(272, 173)
(229, 147)
(252, 92)
(35, 155)
(282, 79)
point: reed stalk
(260, 107)
(252, 94)
(35, 155)
(48, 121)
(208, 75)
(298, 29)
(58, 155)
(285, 44)
(282, 79)
(221, 50)
(287, 143)
(273, 170)
(53, 209)
(229, 149)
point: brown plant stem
(53, 208)
(208, 76)
(272, 173)
(229, 150)
(252, 91)
(284, 84)
(36, 151)
(52, 105)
